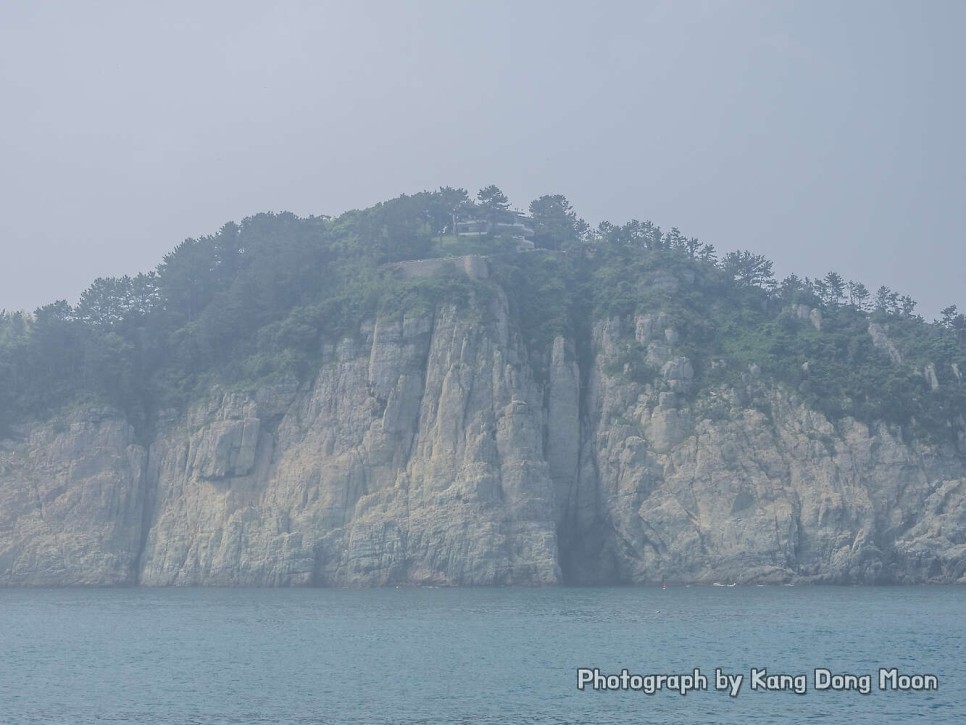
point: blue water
(468, 655)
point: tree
(494, 202)
(953, 320)
(444, 205)
(958, 325)
(835, 288)
(792, 288)
(749, 270)
(633, 235)
(227, 253)
(886, 301)
(673, 239)
(55, 341)
(858, 295)
(145, 296)
(948, 315)
(819, 288)
(648, 234)
(692, 246)
(107, 303)
(907, 305)
(403, 227)
(186, 278)
(554, 222)
(708, 254)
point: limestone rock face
(432, 448)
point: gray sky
(825, 135)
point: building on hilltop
(514, 224)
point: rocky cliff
(435, 447)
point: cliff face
(715, 491)
(72, 501)
(427, 451)
(416, 456)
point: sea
(802, 654)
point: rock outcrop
(72, 502)
(429, 449)
(415, 457)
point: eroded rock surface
(430, 450)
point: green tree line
(254, 302)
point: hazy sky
(825, 135)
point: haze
(827, 136)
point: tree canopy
(493, 202)
(555, 224)
(255, 301)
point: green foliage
(493, 202)
(630, 364)
(422, 295)
(749, 270)
(451, 245)
(555, 224)
(256, 302)
(541, 295)
(731, 318)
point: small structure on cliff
(514, 224)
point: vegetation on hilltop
(254, 302)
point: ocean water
(474, 655)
